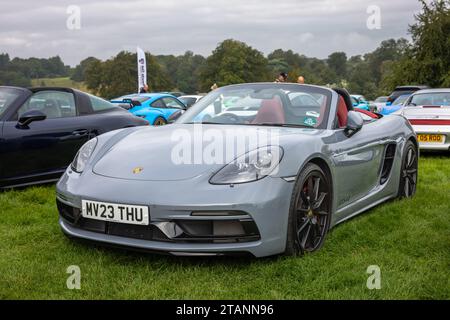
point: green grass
(59, 82)
(409, 240)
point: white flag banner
(142, 68)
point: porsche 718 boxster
(188, 189)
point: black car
(403, 90)
(42, 129)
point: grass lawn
(59, 82)
(409, 240)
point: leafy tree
(11, 78)
(80, 70)
(234, 62)
(337, 62)
(427, 60)
(118, 76)
(183, 70)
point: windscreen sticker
(310, 122)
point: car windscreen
(431, 99)
(7, 97)
(401, 100)
(140, 99)
(188, 101)
(381, 100)
(263, 104)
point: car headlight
(253, 166)
(82, 157)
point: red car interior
(271, 111)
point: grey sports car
(268, 182)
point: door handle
(80, 133)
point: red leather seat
(342, 113)
(271, 111)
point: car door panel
(358, 164)
(45, 146)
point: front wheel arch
(314, 165)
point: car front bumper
(260, 208)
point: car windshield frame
(256, 93)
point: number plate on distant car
(431, 138)
(119, 213)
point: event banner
(142, 68)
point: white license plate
(112, 212)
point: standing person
(301, 80)
(282, 77)
(144, 89)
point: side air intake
(388, 163)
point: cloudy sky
(312, 27)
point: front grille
(201, 231)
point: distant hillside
(59, 82)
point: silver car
(272, 182)
(429, 113)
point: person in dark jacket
(144, 89)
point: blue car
(156, 108)
(396, 106)
(360, 102)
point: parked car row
(49, 132)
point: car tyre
(409, 171)
(310, 212)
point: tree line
(424, 60)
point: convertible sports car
(156, 108)
(321, 164)
(41, 130)
(429, 113)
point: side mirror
(355, 123)
(31, 116)
(174, 117)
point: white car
(428, 111)
(189, 101)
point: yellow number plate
(431, 138)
